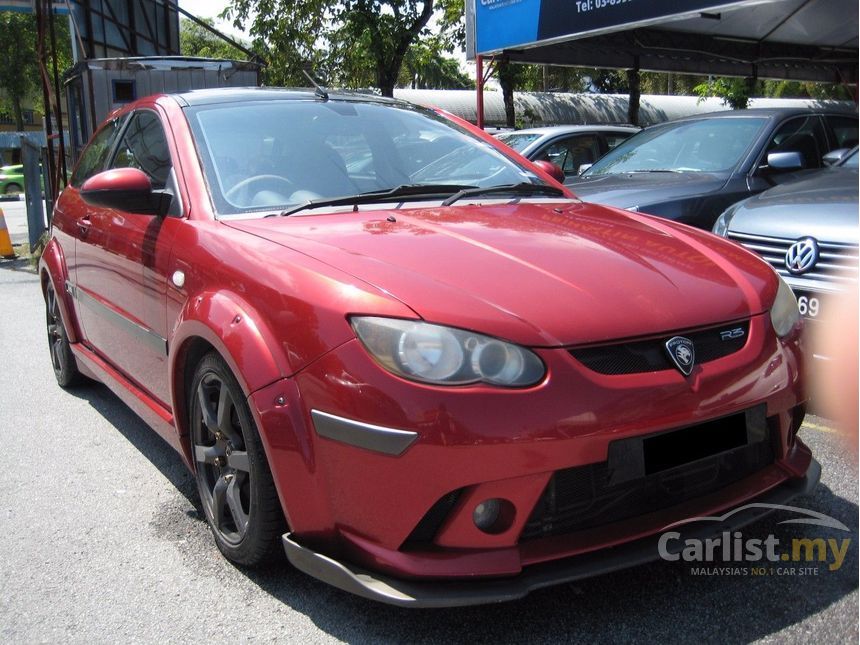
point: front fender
(52, 266)
(235, 329)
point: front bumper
(361, 458)
(409, 593)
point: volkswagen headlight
(441, 355)
(784, 314)
(721, 226)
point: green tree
(195, 40)
(426, 67)
(19, 71)
(346, 42)
(735, 92)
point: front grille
(652, 355)
(837, 263)
(647, 474)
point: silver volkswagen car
(807, 230)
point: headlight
(721, 226)
(784, 314)
(446, 356)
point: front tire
(62, 359)
(233, 477)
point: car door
(71, 222)
(121, 282)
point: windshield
(517, 140)
(272, 155)
(706, 145)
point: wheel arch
(52, 266)
(224, 323)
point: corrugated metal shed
(559, 108)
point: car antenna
(320, 92)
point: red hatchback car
(390, 346)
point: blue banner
(501, 24)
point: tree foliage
(350, 43)
(19, 71)
(195, 40)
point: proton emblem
(682, 353)
(801, 256)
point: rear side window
(144, 146)
(844, 130)
(614, 138)
(94, 156)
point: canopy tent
(813, 40)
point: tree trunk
(18, 113)
(506, 80)
(633, 85)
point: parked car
(12, 179)
(567, 146)
(413, 376)
(808, 231)
(692, 169)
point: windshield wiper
(404, 190)
(654, 170)
(524, 188)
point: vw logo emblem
(801, 256)
(682, 353)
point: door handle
(84, 224)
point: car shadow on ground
(19, 264)
(662, 601)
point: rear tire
(233, 476)
(12, 189)
(62, 358)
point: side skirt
(155, 415)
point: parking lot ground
(104, 542)
(15, 214)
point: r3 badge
(682, 353)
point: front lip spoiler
(459, 593)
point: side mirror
(126, 189)
(551, 169)
(785, 161)
(583, 167)
(834, 156)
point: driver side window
(94, 156)
(144, 146)
(804, 135)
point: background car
(807, 231)
(12, 179)
(391, 347)
(567, 146)
(692, 169)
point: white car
(567, 146)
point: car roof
(769, 113)
(565, 129)
(242, 94)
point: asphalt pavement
(104, 542)
(15, 215)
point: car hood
(639, 189)
(823, 206)
(559, 273)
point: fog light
(486, 514)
